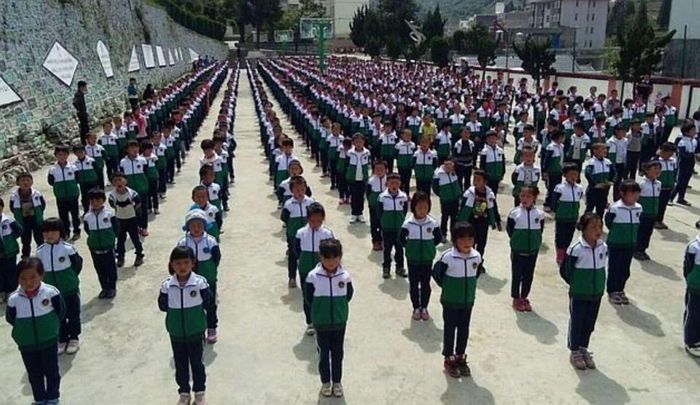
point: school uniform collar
(322, 271)
(421, 221)
(456, 253)
(191, 281)
(24, 294)
(598, 243)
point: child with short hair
(649, 199)
(206, 178)
(211, 158)
(375, 187)
(463, 153)
(617, 153)
(85, 174)
(387, 144)
(493, 162)
(153, 200)
(392, 205)
(284, 192)
(687, 148)
(160, 151)
(126, 203)
(443, 142)
(425, 161)
(101, 226)
(341, 168)
(185, 296)
(168, 141)
(200, 197)
(308, 240)
(525, 227)
(35, 311)
(691, 314)
(420, 235)
(566, 203)
(578, 145)
(634, 149)
(478, 206)
(583, 269)
(552, 165)
(98, 153)
(456, 273)
(669, 171)
(528, 140)
(133, 168)
(328, 291)
(405, 149)
(110, 142)
(622, 220)
(600, 173)
(208, 256)
(28, 206)
(281, 168)
(10, 231)
(62, 177)
(447, 188)
(525, 173)
(63, 264)
(357, 174)
(294, 214)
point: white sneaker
(61, 348)
(310, 331)
(185, 399)
(361, 219)
(73, 346)
(337, 390)
(353, 219)
(199, 398)
(326, 390)
(693, 350)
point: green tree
(394, 14)
(433, 24)
(537, 57)
(640, 47)
(393, 48)
(664, 16)
(619, 11)
(358, 34)
(480, 41)
(459, 41)
(509, 7)
(440, 51)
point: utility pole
(320, 26)
(573, 54)
(685, 43)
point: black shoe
(401, 272)
(76, 236)
(111, 293)
(226, 208)
(102, 295)
(120, 262)
(683, 202)
(386, 273)
(481, 270)
(138, 261)
(641, 256)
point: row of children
(45, 309)
(599, 173)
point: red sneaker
(451, 367)
(526, 305)
(144, 232)
(518, 305)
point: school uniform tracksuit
(478, 208)
(328, 296)
(294, 216)
(448, 190)
(623, 225)
(687, 148)
(584, 270)
(102, 228)
(10, 231)
(456, 274)
(185, 322)
(35, 318)
(566, 202)
(424, 165)
(404, 162)
(525, 227)
(552, 165)
(135, 171)
(357, 174)
(375, 186)
(28, 211)
(62, 264)
(66, 191)
(649, 200)
(463, 154)
(126, 207)
(419, 237)
(208, 254)
(86, 176)
(524, 175)
(691, 273)
(391, 210)
(306, 249)
(669, 171)
(617, 154)
(598, 172)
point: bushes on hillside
(198, 23)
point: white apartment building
(589, 17)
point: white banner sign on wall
(60, 63)
(170, 57)
(148, 56)
(7, 95)
(161, 57)
(193, 55)
(134, 61)
(103, 54)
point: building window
(576, 3)
(547, 19)
(593, 16)
(591, 30)
(576, 17)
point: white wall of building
(343, 11)
(588, 16)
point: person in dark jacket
(81, 110)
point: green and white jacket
(424, 164)
(446, 185)
(583, 269)
(328, 296)
(649, 197)
(455, 273)
(567, 201)
(404, 152)
(102, 229)
(525, 176)
(10, 231)
(294, 215)
(206, 250)
(420, 238)
(306, 246)
(185, 319)
(135, 171)
(358, 165)
(691, 265)
(392, 210)
(473, 207)
(35, 321)
(375, 186)
(64, 182)
(623, 224)
(62, 264)
(493, 162)
(525, 227)
(38, 206)
(86, 171)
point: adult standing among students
(133, 92)
(644, 89)
(81, 110)
(148, 93)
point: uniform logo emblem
(138, 166)
(105, 220)
(61, 259)
(430, 230)
(206, 250)
(601, 255)
(45, 302)
(4, 226)
(193, 294)
(637, 214)
(537, 220)
(211, 214)
(341, 284)
(475, 264)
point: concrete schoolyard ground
(263, 356)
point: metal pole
(573, 54)
(322, 47)
(685, 42)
